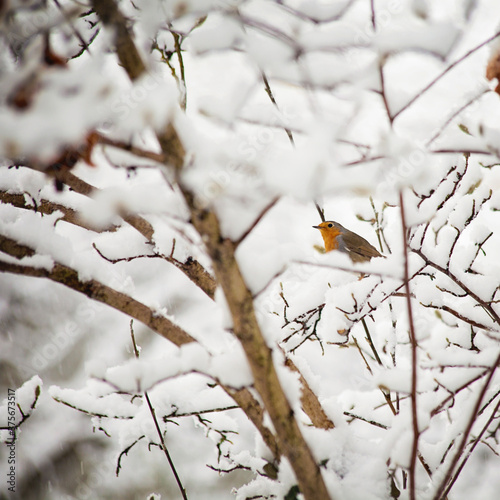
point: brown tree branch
(485, 305)
(135, 309)
(191, 267)
(440, 406)
(257, 220)
(135, 150)
(477, 440)
(47, 207)
(269, 92)
(161, 436)
(459, 316)
(239, 298)
(446, 483)
(413, 340)
(444, 72)
(82, 187)
(309, 400)
(94, 290)
(254, 411)
(454, 115)
(126, 50)
(259, 355)
(321, 211)
(373, 16)
(383, 92)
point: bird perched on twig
(337, 237)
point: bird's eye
(330, 225)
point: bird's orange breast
(330, 238)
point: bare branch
(128, 54)
(454, 115)
(163, 446)
(383, 90)
(177, 42)
(448, 480)
(83, 43)
(257, 220)
(135, 150)
(321, 211)
(48, 207)
(191, 267)
(485, 305)
(460, 316)
(94, 290)
(413, 340)
(310, 403)
(254, 411)
(239, 298)
(269, 92)
(444, 72)
(477, 440)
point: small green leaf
(292, 493)
(464, 128)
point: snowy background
(279, 105)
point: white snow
(362, 108)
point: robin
(337, 237)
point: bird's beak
(316, 227)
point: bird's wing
(357, 245)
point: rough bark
(259, 355)
(191, 267)
(228, 276)
(94, 290)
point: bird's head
(330, 230)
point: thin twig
(455, 114)
(155, 420)
(67, 17)
(47, 207)
(413, 340)
(92, 413)
(472, 448)
(316, 20)
(269, 92)
(164, 447)
(346, 269)
(136, 350)
(94, 290)
(461, 317)
(385, 393)
(368, 367)
(125, 452)
(378, 223)
(383, 91)
(177, 44)
(441, 405)
(369, 159)
(257, 220)
(444, 72)
(321, 211)
(370, 342)
(447, 481)
(196, 413)
(127, 146)
(485, 305)
(372, 422)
